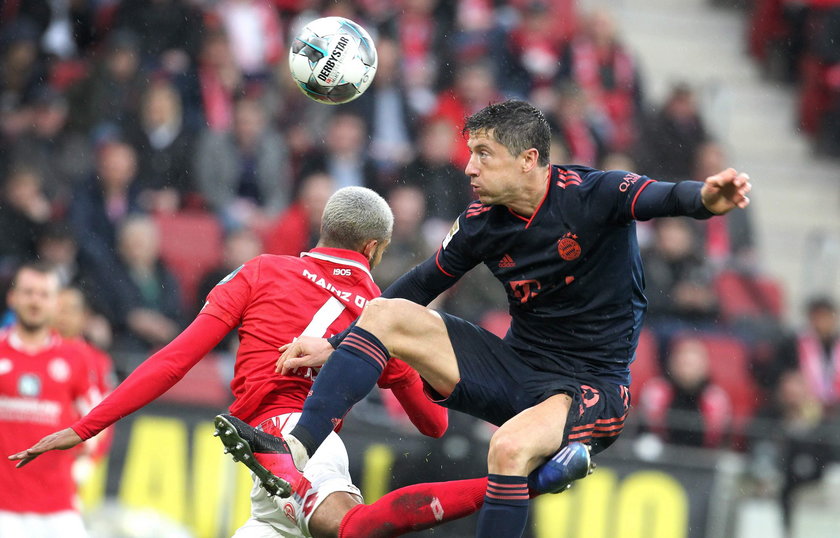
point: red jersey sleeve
(229, 298)
(156, 375)
(430, 418)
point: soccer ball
(333, 60)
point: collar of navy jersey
(553, 172)
(321, 254)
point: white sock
(299, 454)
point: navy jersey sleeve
(429, 279)
(613, 194)
(662, 199)
(625, 196)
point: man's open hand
(725, 191)
(60, 440)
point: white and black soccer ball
(333, 60)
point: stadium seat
(748, 296)
(191, 245)
(646, 364)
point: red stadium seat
(748, 296)
(646, 364)
(191, 245)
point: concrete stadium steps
(797, 196)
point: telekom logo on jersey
(346, 296)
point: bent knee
(389, 315)
(507, 450)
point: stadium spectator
(433, 172)
(577, 126)
(343, 155)
(45, 385)
(24, 211)
(814, 351)
(61, 157)
(684, 407)
(243, 173)
(678, 282)
(673, 136)
(386, 112)
(170, 31)
(473, 87)
(421, 29)
(296, 229)
(409, 243)
(164, 149)
(277, 288)
(22, 73)
(143, 294)
(107, 100)
(597, 61)
(99, 206)
(794, 427)
(218, 79)
(536, 49)
(477, 33)
(255, 33)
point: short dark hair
(818, 303)
(35, 266)
(516, 125)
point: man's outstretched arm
(151, 379)
(717, 195)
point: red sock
(414, 508)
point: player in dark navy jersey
(562, 241)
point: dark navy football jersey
(572, 271)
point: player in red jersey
(44, 385)
(275, 299)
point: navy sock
(505, 510)
(347, 377)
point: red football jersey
(40, 392)
(276, 299)
(273, 299)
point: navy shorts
(496, 384)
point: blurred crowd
(798, 43)
(119, 116)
